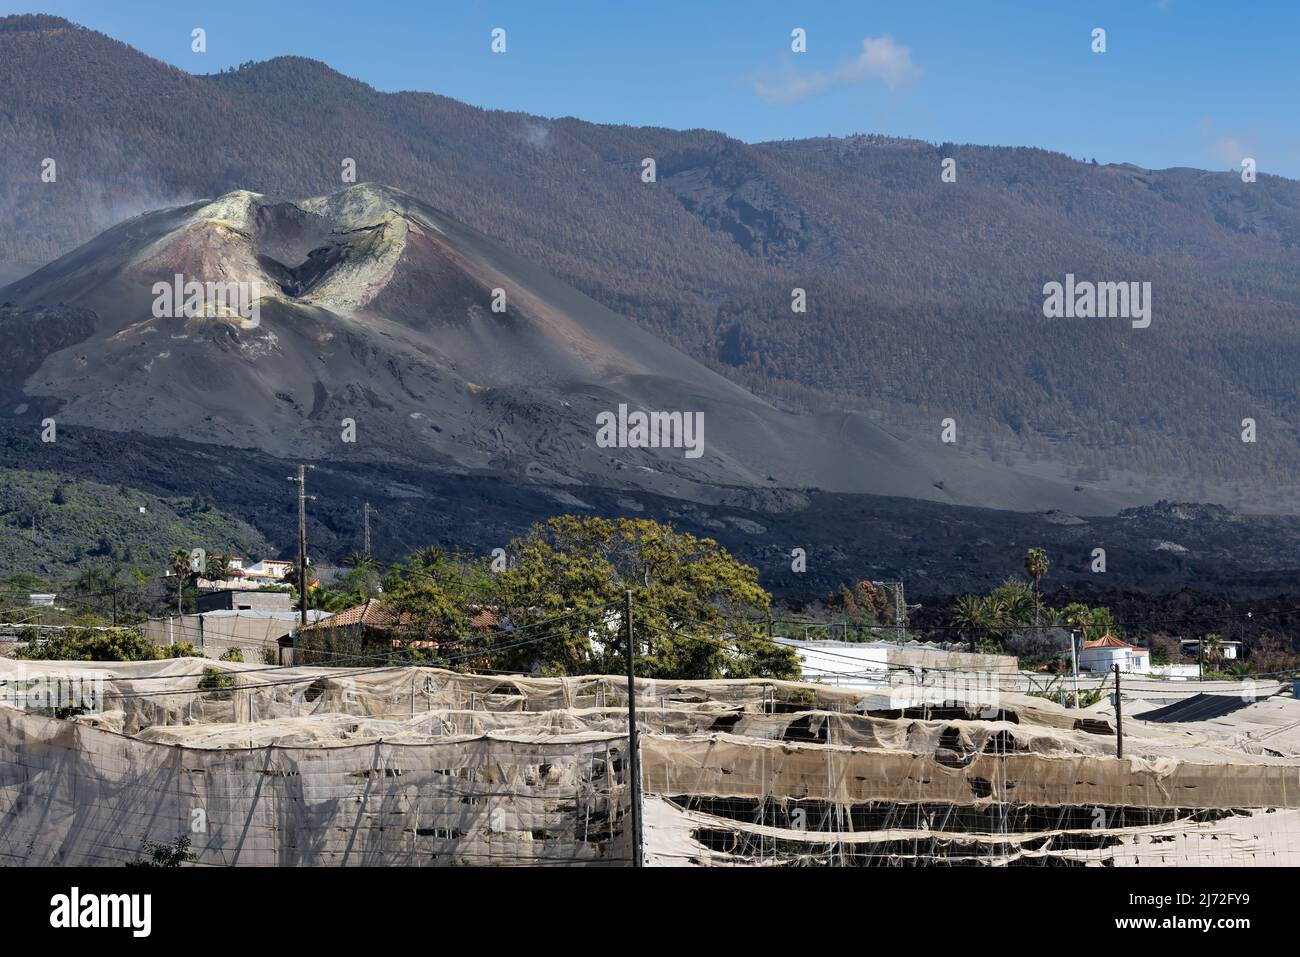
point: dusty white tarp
(418, 766)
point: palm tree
(990, 617)
(1036, 565)
(324, 599)
(428, 555)
(178, 562)
(970, 615)
(1014, 599)
(359, 560)
(1212, 649)
(218, 567)
(1080, 616)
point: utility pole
(301, 479)
(898, 610)
(1074, 663)
(633, 745)
(1119, 718)
(365, 517)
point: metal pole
(1119, 718)
(633, 745)
(302, 546)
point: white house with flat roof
(1228, 650)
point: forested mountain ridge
(924, 298)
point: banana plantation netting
(421, 766)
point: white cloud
(881, 59)
(1229, 150)
(1228, 147)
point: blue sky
(1183, 82)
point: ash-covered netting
(421, 766)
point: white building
(266, 569)
(1102, 654)
(869, 665)
(1175, 672)
(1228, 650)
(842, 663)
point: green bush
(88, 644)
(214, 680)
(165, 855)
(182, 649)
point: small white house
(266, 569)
(1176, 672)
(1104, 653)
(40, 598)
(1228, 650)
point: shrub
(182, 649)
(165, 855)
(89, 644)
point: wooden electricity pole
(1074, 665)
(1119, 718)
(301, 479)
(633, 745)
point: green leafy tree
(694, 603)
(360, 582)
(432, 594)
(1103, 623)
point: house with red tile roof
(1104, 653)
(370, 630)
